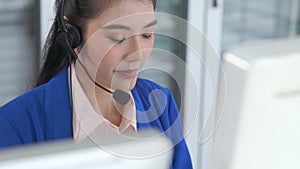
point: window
(255, 19)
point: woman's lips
(128, 74)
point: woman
(89, 86)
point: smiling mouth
(127, 74)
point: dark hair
(78, 13)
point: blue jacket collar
(57, 106)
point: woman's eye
(118, 41)
(147, 35)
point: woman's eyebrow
(117, 26)
(151, 24)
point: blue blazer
(45, 114)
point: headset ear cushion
(74, 35)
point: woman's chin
(124, 84)
(133, 83)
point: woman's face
(118, 42)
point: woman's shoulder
(54, 90)
(31, 98)
(19, 116)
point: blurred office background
(19, 46)
(226, 23)
(246, 20)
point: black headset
(69, 37)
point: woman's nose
(135, 49)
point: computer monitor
(259, 126)
(149, 151)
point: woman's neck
(101, 100)
(109, 108)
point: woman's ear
(77, 51)
(66, 19)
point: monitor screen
(257, 125)
(147, 151)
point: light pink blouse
(88, 123)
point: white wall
(207, 19)
(47, 17)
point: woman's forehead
(132, 13)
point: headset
(70, 37)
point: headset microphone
(69, 37)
